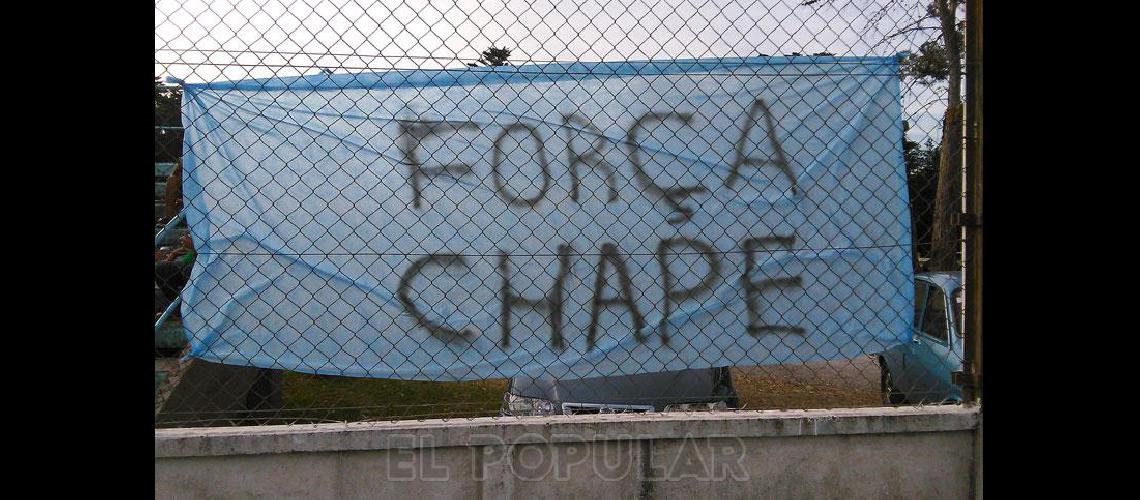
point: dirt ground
(842, 383)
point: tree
(938, 60)
(167, 113)
(921, 161)
(945, 236)
(494, 56)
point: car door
(932, 350)
(957, 341)
(908, 372)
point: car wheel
(891, 396)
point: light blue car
(920, 371)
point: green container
(170, 335)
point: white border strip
(489, 431)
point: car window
(919, 302)
(934, 320)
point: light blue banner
(564, 220)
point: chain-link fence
(396, 209)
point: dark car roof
(659, 389)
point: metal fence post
(972, 359)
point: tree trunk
(946, 238)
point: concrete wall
(873, 452)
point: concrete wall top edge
(361, 436)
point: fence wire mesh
(200, 42)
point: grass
(320, 398)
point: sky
(203, 41)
